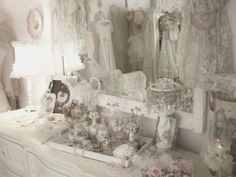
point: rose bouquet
(76, 111)
(176, 168)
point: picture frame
(62, 94)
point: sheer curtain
(8, 88)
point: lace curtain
(9, 88)
(168, 5)
(205, 46)
(69, 25)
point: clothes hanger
(100, 16)
(104, 22)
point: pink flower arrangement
(154, 172)
(176, 167)
(181, 166)
(187, 166)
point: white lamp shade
(32, 60)
(72, 61)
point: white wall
(16, 13)
(17, 10)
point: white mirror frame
(191, 121)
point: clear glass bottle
(93, 129)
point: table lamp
(161, 99)
(32, 60)
(71, 60)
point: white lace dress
(104, 30)
(204, 47)
(166, 65)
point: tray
(125, 163)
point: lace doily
(169, 5)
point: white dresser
(23, 155)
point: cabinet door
(37, 168)
(12, 156)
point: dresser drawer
(37, 168)
(11, 174)
(12, 155)
(4, 172)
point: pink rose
(187, 166)
(175, 166)
(154, 172)
(181, 166)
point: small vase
(93, 129)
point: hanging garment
(136, 39)
(151, 36)
(136, 52)
(166, 64)
(120, 36)
(104, 30)
(205, 47)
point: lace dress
(205, 47)
(104, 30)
(166, 65)
(136, 39)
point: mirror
(135, 44)
(124, 43)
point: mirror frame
(191, 121)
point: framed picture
(35, 23)
(47, 105)
(62, 93)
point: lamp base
(164, 133)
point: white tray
(94, 155)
